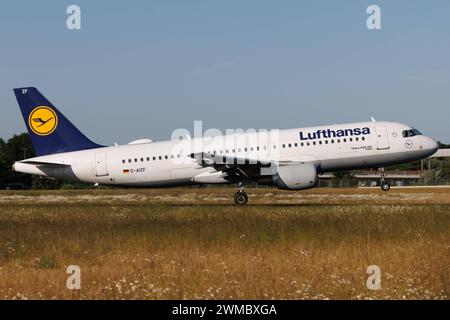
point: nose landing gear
(385, 186)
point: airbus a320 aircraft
(290, 160)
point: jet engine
(295, 177)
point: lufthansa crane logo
(43, 120)
(409, 144)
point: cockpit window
(411, 133)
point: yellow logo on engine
(43, 120)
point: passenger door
(382, 138)
(100, 165)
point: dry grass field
(194, 244)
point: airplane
(289, 159)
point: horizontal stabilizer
(47, 164)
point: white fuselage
(167, 163)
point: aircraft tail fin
(50, 131)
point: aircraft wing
(237, 168)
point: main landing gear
(385, 186)
(241, 198)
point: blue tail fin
(49, 129)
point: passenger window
(320, 142)
(135, 160)
(290, 145)
(160, 158)
(142, 159)
(295, 144)
(123, 161)
(166, 157)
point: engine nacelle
(295, 177)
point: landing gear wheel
(385, 186)
(240, 198)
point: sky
(140, 69)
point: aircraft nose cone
(432, 145)
(435, 146)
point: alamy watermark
(74, 280)
(373, 22)
(374, 280)
(73, 21)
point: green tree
(18, 147)
(443, 145)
